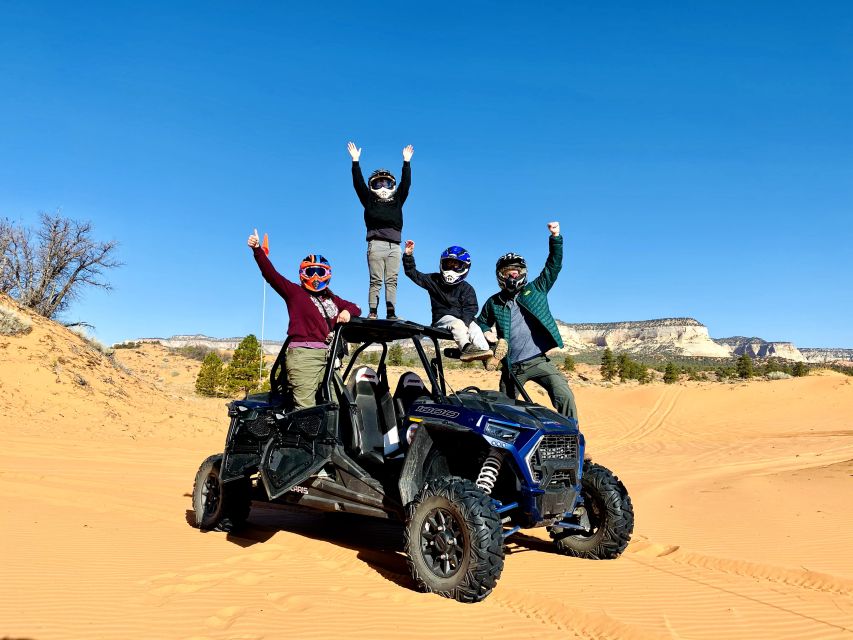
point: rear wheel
(454, 540)
(219, 506)
(608, 513)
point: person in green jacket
(521, 316)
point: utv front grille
(557, 453)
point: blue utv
(462, 470)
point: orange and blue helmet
(315, 272)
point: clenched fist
(554, 228)
(254, 240)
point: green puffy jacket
(533, 297)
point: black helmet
(381, 174)
(507, 262)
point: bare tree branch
(47, 274)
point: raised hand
(344, 316)
(408, 151)
(410, 247)
(254, 240)
(554, 228)
(354, 152)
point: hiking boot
(470, 352)
(392, 317)
(371, 316)
(493, 363)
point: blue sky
(699, 155)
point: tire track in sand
(653, 421)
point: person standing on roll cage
(383, 201)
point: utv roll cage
(365, 333)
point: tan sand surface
(742, 496)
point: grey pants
(383, 262)
(545, 374)
(462, 334)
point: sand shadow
(246, 536)
(522, 543)
(378, 543)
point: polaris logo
(436, 411)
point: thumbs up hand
(254, 240)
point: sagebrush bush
(13, 323)
(778, 375)
(97, 345)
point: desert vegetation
(47, 267)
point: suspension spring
(489, 471)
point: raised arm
(361, 189)
(554, 263)
(420, 279)
(405, 175)
(281, 285)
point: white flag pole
(263, 318)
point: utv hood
(533, 416)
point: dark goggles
(382, 183)
(318, 271)
(449, 264)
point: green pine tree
(670, 374)
(210, 376)
(244, 372)
(623, 366)
(799, 369)
(569, 363)
(395, 355)
(608, 365)
(744, 366)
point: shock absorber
(489, 471)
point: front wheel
(219, 506)
(454, 540)
(606, 511)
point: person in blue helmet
(453, 301)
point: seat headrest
(366, 374)
(360, 376)
(410, 382)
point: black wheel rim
(210, 494)
(442, 542)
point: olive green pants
(545, 374)
(305, 368)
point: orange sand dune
(741, 495)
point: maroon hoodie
(307, 324)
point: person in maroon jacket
(314, 311)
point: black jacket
(384, 219)
(457, 300)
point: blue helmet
(455, 264)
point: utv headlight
(501, 432)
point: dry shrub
(13, 323)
